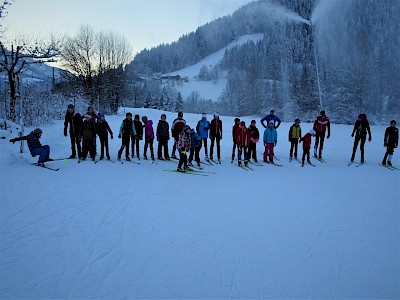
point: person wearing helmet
(74, 120)
(271, 117)
(390, 141)
(183, 146)
(102, 130)
(162, 133)
(270, 140)
(35, 147)
(361, 127)
(176, 129)
(306, 139)
(321, 125)
(294, 136)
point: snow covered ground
(127, 231)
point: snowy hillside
(128, 231)
(209, 89)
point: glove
(275, 143)
(65, 131)
(384, 145)
(183, 152)
(369, 139)
(111, 136)
(119, 136)
(328, 136)
(13, 141)
(352, 135)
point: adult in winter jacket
(321, 125)
(361, 127)
(162, 133)
(235, 128)
(126, 131)
(183, 146)
(270, 140)
(215, 136)
(242, 140)
(294, 136)
(269, 118)
(34, 145)
(306, 139)
(176, 128)
(138, 137)
(74, 121)
(390, 141)
(254, 136)
(102, 130)
(202, 128)
(148, 137)
(88, 135)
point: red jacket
(306, 141)
(242, 137)
(321, 124)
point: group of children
(84, 129)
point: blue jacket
(195, 140)
(270, 135)
(271, 118)
(202, 128)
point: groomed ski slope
(127, 231)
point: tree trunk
(11, 81)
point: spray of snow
(322, 8)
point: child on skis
(195, 146)
(35, 147)
(294, 136)
(306, 139)
(88, 135)
(390, 141)
(176, 128)
(183, 146)
(148, 137)
(126, 131)
(241, 143)
(254, 136)
(138, 137)
(162, 133)
(235, 128)
(202, 130)
(102, 130)
(361, 127)
(270, 140)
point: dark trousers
(357, 139)
(162, 143)
(204, 142)
(242, 150)
(148, 143)
(306, 153)
(217, 140)
(233, 150)
(319, 140)
(252, 151)
(195, 152)
(125, 145)
(75, 142)
(174, 146)
(104, 145)
(182, 159)
(88, 146)
(294, 143)
(389, 151)
(43, 152)
(135, 144)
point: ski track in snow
(133, 231)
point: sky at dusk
(144, 23)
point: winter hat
(164, 115)
(129, 114)
(203, 115)
(322, 113)
(136, 117)
(180, 114)
(144, 119)
(271, 122)
(101, 116)
(297, 120)
(87, 116)
(242, 123)
(272, 110)
(70, 106)
(312, 131)
(37, 131)
(186, 128)
(361, 116)
(393, 122)
(216, 114)
(253, 122)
